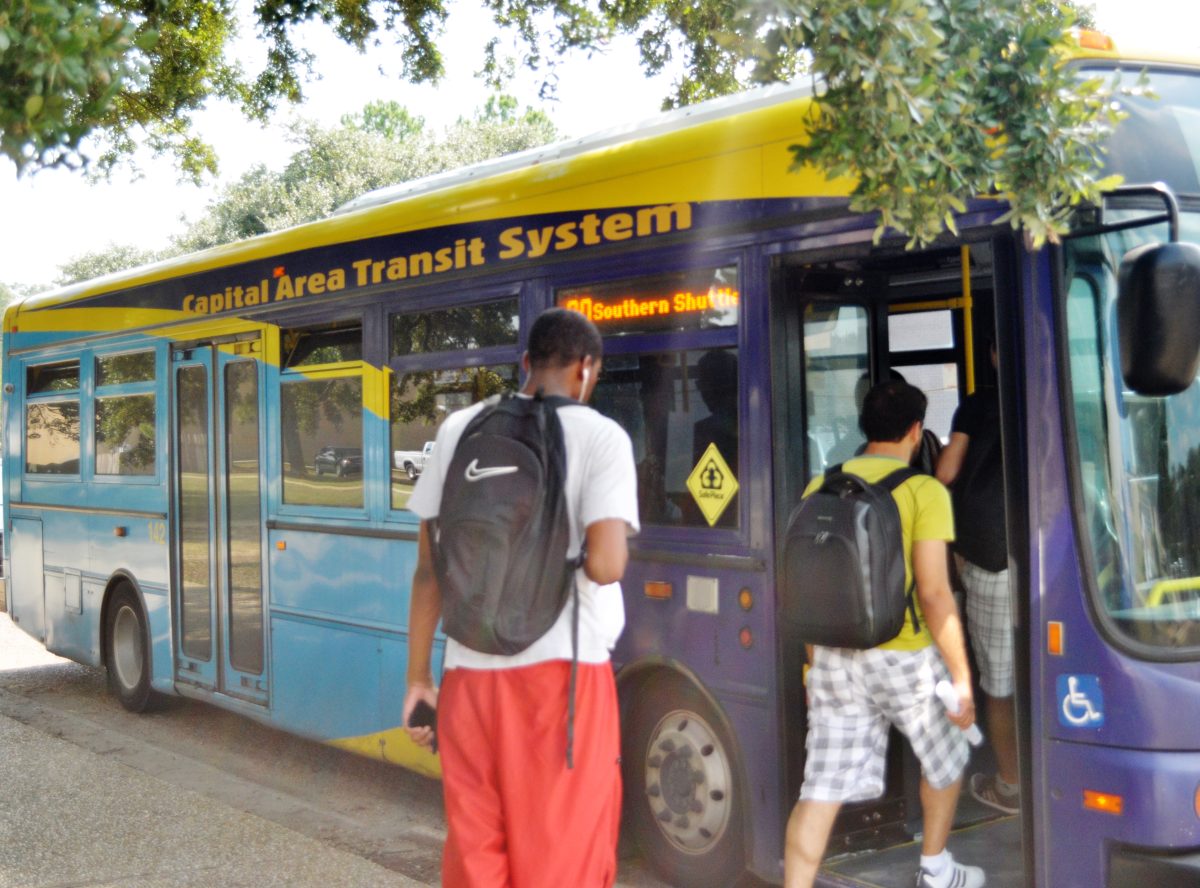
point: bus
(207, 465)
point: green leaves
(383, 144)
(930, 103)
(61, 65)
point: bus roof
(683, 155)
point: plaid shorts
(853, 697)
(989, 623)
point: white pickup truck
(412, 462)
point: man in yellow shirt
(854, 695)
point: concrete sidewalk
(69, 817)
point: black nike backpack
(501, 536)
(843, 572)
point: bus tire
(127, 654)
(681, 788)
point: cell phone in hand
(423, 716)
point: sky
(48, 218)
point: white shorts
(853, 698)
(989, 623)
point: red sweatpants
(515, 816)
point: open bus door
(841, 325)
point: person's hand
(965, 717)
(419, 693)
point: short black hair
(560, 336)
(890, 409)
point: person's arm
(424, 611)
(950, 462)
(945, 625)
(607, 550)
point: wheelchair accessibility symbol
(1081, 701)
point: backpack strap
(890, 483)
(553, 402)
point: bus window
(322, 421)
(676, 406)
(1137, 459)
(321, 415)
(836, 379)
(420, 400)
(327, 344)
(680, 406)
(433, 376)
(455, 329)
(125, 414)
(914, 339)
(52, 419)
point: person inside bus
(515, 813)
(926, 457)
(854, 695)
(972, 466)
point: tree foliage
(120, 72)
(381, 145)
(97, 263)
(927, 102)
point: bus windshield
(1139, 459)
(1159, 139)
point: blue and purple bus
(208, 462)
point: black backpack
(843, 571)
(501, 536)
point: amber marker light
(746, 637)
(119, 531)
(746, 599)
(658, 589)
(281, 545)
(279, 271)
(1054, 637)
(1095, 40)
(1104, 802)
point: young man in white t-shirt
(516, 815)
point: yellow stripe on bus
(393, 746)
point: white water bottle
(949, 697)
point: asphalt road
(217, 767)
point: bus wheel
(679, 784)
(128, 654)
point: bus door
(830, 336)
(838, 330)
(217, 514)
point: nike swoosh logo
(474, 473)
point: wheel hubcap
(688, 780)
(127, 647)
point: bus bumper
(1138, 868)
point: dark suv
(340, 461)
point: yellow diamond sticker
(712, 484)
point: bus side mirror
(1158, 316)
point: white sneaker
(955, 875)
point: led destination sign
(691, 300)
